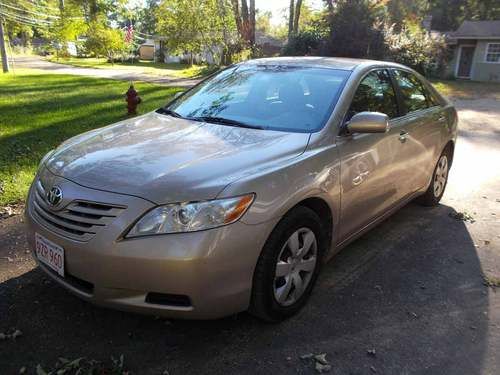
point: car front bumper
(200, 275)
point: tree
(146, 17)
(415, 47)
(245, 20)
(263, 22)
(104, 41)
(448, 14)
(353, 32)
(192, 26)
(294, 17)
(401, 11)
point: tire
(297, 243)
(439, 180)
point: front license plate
(49, 253)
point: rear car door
(369, 162)
(420, 124)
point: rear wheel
(288, 266)
(436, 188)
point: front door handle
(402, 136)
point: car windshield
(275, 97)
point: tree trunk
(297, 17)
(237, 17)
(245, 21)
(290, 18)
(3, 51)
(251, 37)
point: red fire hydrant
(132, 99)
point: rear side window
(375, 94)
(415, 96)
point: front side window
(493, 53)
(375, 94)
(412, 91)
(275, 97)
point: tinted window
(277, 97)
(375, 94)
(412, 90)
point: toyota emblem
(54, 196)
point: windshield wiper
(225, 121)
(166, 111)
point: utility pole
(3, 52)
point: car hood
(166, 159)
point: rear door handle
(402, 136)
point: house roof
(478, 29)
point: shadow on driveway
(411, 289)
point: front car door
(420, 124)
(369, 162)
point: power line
(24, 19)
(26, 23)
(28, 11)
(23, 22)
(49, 15)
(39, 5)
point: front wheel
(288, 266)
(436, 188)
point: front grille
(79, 220)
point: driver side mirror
(368, 122)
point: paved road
(35, 62)
(412, 289)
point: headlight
(45, 158)
(191, 216)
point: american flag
(129, 34)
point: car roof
(342, 63)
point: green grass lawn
(462, 89)
(142, 66)
(38, 111)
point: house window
(493, 53)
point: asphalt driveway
(410, 297)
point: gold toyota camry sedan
(231, 196)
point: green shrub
(303, 43)
(417, 48)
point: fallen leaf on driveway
(462, 216)
(322, 368)
(321, 358)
